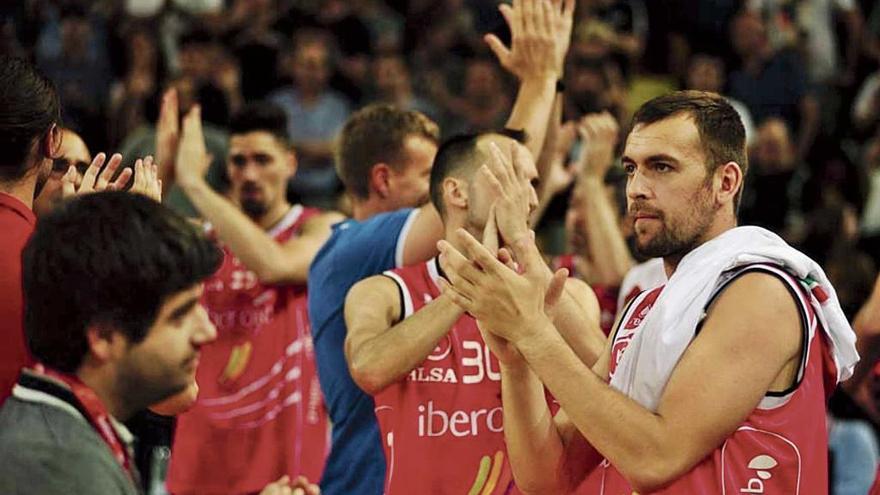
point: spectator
(484, 103)
(96, 367)
(769, 199)
(73, 55)
(315, 113)
(627, 21)
(706, 73)
(30, 137)
(73, 152)
(866, 107)
(772, 83)
(394, 86)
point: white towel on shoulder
(670, 325)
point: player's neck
(271, 218)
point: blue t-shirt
(355, 251)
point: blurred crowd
(803, 74)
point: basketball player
(435, 384)
(384, 160)
(260, 413)
(713, 383)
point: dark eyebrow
(660, 157)
(183, 309)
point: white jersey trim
(287, 220)
(404, 291)
(401, 238)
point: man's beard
(253, 208)
(678, 240)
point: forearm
(628, 435)
(250, 243)
(389, 356)
(533, 442)
(546, 161)
(580, 332)
(605, 240)
(532, 109)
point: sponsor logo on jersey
(762, 465)
(476, 364)
(434, 421)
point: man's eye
(629, 168)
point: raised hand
(146, 179)
(167, 134)
(94, 179)
(192, 160)
(599, 133)
(540, 35)
(510, 192)
(507, 304)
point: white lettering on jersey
(435, 422)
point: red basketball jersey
(781, 448)
(260, 413)
(442, 426)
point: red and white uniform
(781, 447)
(442, 426)
(260, 413)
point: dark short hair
(459, 155)
(376, 134)
(261, 116)
(29, 106)
(720, 127)
(110, 259)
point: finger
(509, 15)
(455, 296)
(121, 181)
(501, 166)
(557, 287)
(568, 10)
(547, 17)
(506, 257)
(108, 172)
(479, 254)
(88, 180)
(490, 231)
(528, 18)
(138, 184)
(462, 272)
(502, 53)
(68, 187)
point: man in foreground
(435, 384)
(716, 381)
(126, 339)
(384, 160)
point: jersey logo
(761, 464)
(444, 347)
(641, 311)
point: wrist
(534, 328)
(191, 184)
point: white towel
(670, 325)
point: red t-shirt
(260, 413)
(17, 224)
